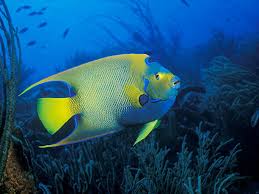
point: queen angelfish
(110, 94)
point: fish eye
(157, 76)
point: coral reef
(17, 179)
(9, 67)
(13, 177)
(233, 91)
(206, 170)
(112, 165)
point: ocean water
(193, 101)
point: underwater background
(207, 143)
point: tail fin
(55, 112)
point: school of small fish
(41, 12)
(32, 13)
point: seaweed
(10, 62)
(209, 166)
(112, 165)
(233, 91)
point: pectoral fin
(137, 97)
(146, 130)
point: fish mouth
(175, 82)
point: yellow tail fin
(55, 112)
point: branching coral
(233, 90)
(94, 166)
(112, 165)
(207, 170)
(10, 60)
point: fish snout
(175, 82)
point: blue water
(195, 24)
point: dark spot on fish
(65, 33)
(23, 30)
(43, 24)
(31, 43)
(143, 99)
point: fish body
(31, 43)
(19, 9)
(43, 24)
(108, 93)
(44, 9)
(33, 13)
(65, 33)
(23, 30)
(25, 7)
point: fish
(65, 33)
(43, 24)
(26, 7)
(44, 9)
(40, 13)
(33, 13)
(23, 30)
(110, 94)
(31, 43)
(19, 9)
(185, 3)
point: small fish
(31, 43)
(19, 9)
(43, 24)
(65, 33)
(26, 7)
(185, 3)
(23, 30)
(33, 13)
(111, 93)
(44, 9)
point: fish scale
(112, 100)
